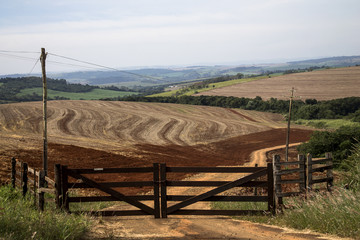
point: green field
(211, 86)
(92, 95)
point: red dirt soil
(230, 152)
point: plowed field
(115, 134)
(321, 85)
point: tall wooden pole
(288, 127)
(45, 145)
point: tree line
(308, 109)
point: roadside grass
(95, 94)
(336, 213)
(19, 219)
(327, 123)
(211, 87)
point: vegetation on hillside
(30, 89)
(348, 108)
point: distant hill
(172, 75)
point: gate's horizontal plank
(289, 163)
(113, 213)
(285, 172)
(290, 181)
(109, 198)
(218, 212)
(113, 170)
(112, 184)
(221, 198)
(215, 169)
(213, 183)
(321, 169)
(318, 161)
(322, 180)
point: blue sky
(122, 33)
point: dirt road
(197, 227)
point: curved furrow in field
(85, 122)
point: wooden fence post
(21, 174)
(309, 172)
(13, 172)
(24, 178)
(156, 190)
(41, 195)
(329, 173)
(57, 176)
(277, 179)
(271, 196)
(64, 188)
(256, 190)
(302, 177)
(34, 187)
(163, 190)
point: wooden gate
(250, 180)
(62, 174)
(160, 184)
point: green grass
(19, 219)
(211, 86)
(92, 95)
(327, 123)
(336, 213)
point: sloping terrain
(321, 85)
(114, 134)
(99, 124)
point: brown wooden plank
(321, 180)
(289, 171)
(163, 192)
(113, 170)
(291, 181)
(217, 190)
(112, 213)
(322, 169)
(113, 184)
(320, 161)
(213, 183)
(50, 181)
(219, 212)
(221, 198)
(156, 190)
(112, 192)
(289, 163)
(215, 169)
(109, 198)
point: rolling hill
(321, 85)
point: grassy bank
(19, 219)
(337, 213)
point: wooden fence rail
(274, 178)
(300, 172)
(31, 180)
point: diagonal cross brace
(112, 192)
(212, 192)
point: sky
(122, 34)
